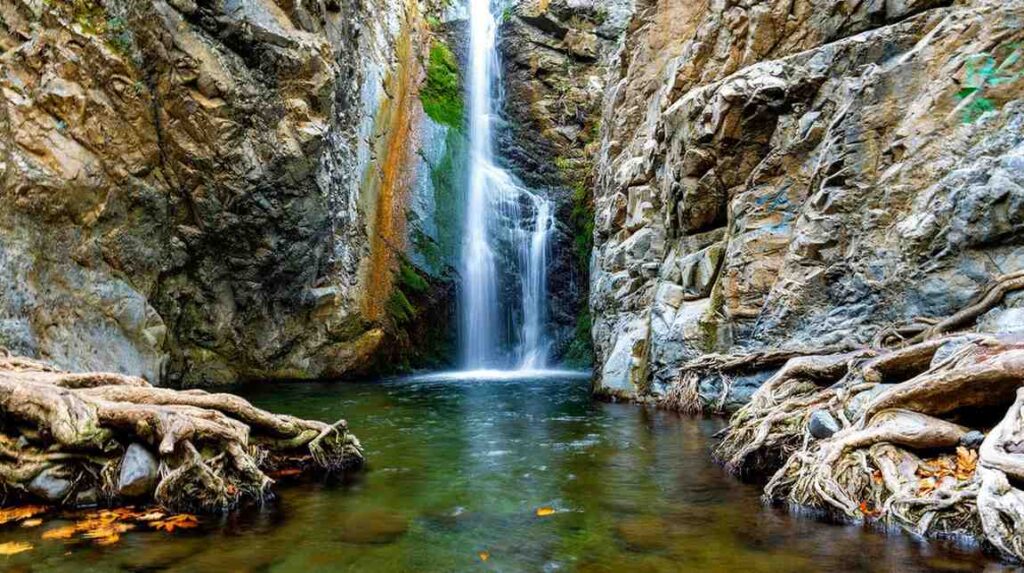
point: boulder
(140, 472)
(50, 486)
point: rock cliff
(554, 60)
(203, 191)
(791, 175)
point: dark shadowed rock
(972, 439)
(50, 486)
(139, 472)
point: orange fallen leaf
(926, 486)
(14, 547)
(32, 522)
(65, 532)
(869, 511)
(181, 521)
(484, 555)
(966, 463)
(545, 511)
(20, 513)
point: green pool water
(459, 467)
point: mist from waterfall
(502, 217)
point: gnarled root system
(82, 439)
(904, 445)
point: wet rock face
(783, 174)
(554, 56)
(181, 184)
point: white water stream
(502, 216)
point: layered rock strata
(799, 176)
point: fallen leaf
(966, 463)
(20, 513)
(108, 539)
(65, 532)
(180, 521)
(32, 522)
(14, 547)
(484, 555)
(926, 486)
(152, 516)
(545, 511)
(868, 511)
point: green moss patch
(441, 92)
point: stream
(458, 470)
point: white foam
(491, 375)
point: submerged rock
(372, 527)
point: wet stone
(972, 439)
(822, 425)
(139, 472)
(50, 486)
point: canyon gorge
(806, 215)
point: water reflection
(459, 468)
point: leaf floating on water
(36, 522)
(484, 555)
(181, 521)
(109, 533)
(20, 513)
(545, 511)
(14, 547)
(65, 532)
(152, 516)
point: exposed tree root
(684, 395)
(769, 428)
(1000, 499)
(890, 434)
(923, 329)
(901, 459)
(64, 436)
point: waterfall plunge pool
(460, 466)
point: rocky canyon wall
(554, 57)
(207, 191)
(800, 174)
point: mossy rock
(441, 93)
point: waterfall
(502, 217)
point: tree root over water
(901, 450)
(927, 436)
(64, 437)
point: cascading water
(495, 213)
